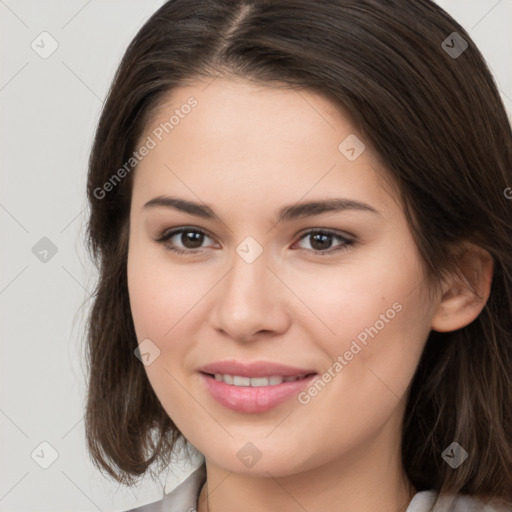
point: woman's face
(336, 295)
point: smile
(238, 380)
(254, 394)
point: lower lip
(253, 399)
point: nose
(251, 301)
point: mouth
(256, 382)
(256, 387)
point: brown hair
(438, 124)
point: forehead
(222, 98)
(235, 139)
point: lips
(255, 387)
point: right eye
(190, 239)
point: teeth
(237, 380)
(241, 381)
(259, 381)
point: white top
(184, 498)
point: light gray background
(50, 108)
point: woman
(300, 215)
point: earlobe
(465, 293)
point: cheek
(161, 294)
(380, 323)
(349, 298)
(371, 313)
(162, 299)
(169, 303)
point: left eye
(192, 239)
(321, 241)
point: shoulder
(423, 501)
(183, 498)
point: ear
(465, 293)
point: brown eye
(183, 240)
(321, 241)
(191, 239)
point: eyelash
(165, 236)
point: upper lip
(254, 369)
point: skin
(248, 150)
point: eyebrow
(287, 213)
